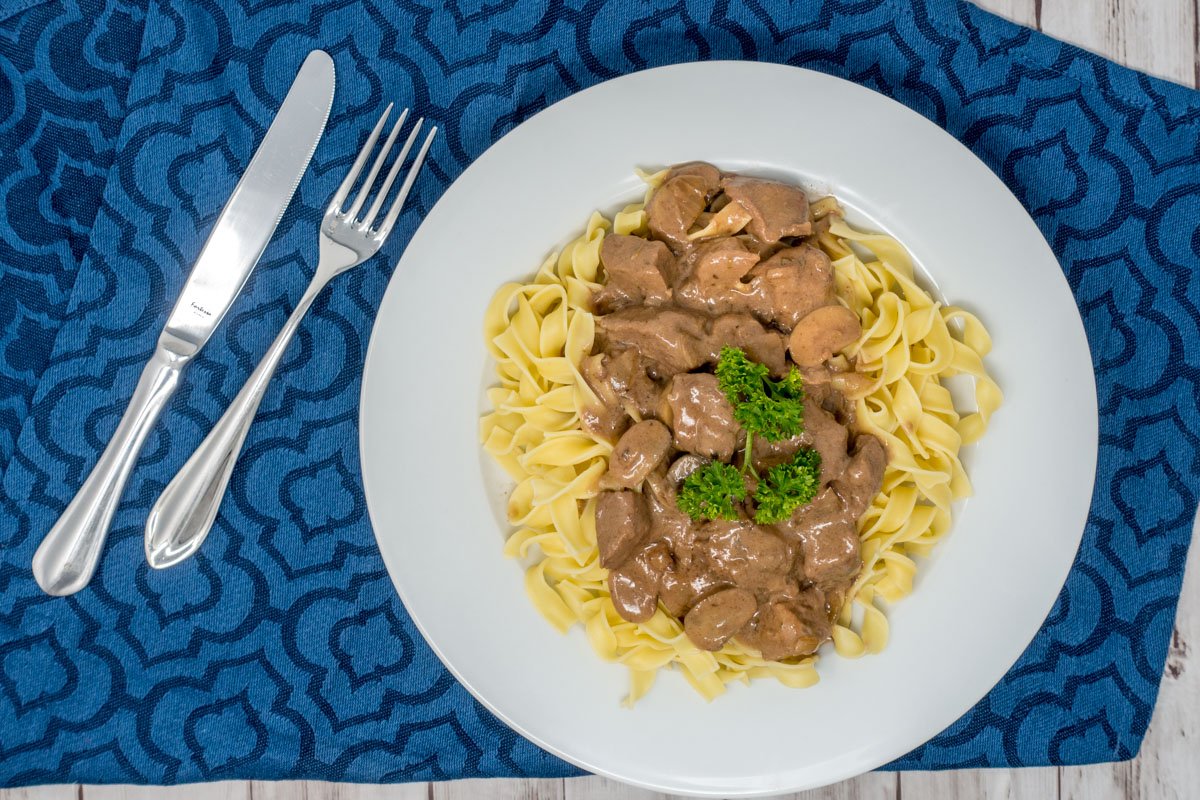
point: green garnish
(739, 377)
(768, 408)
(773, 409)
(788, 486)
(711, 491)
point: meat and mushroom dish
(737, 478)
(724, 414)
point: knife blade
(67, 557)
(257, 204)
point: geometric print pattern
(281, 650)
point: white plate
(978, 601)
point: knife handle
(67, 557)
(185, 512)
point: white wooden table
(1158, 36)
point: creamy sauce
(727, 263)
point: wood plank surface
(1155, 36)
(319, 790)
(71, 792)
(990, 784)
(604, 789)
(1168, 766)
(514, 789)
(220, 790)
(1158, 36)
(1022, 11)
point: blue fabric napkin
(282, 651)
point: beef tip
(721, 263)
(764, 250)
(676, 593)
(820, 375)
(683, 196)
(725, 276)
(831, 553)
(667, 523)
(638, 453)
(828, 437)
(702, 416)
(688, 581)
(790, 285)
(744, 331)
(701, 169)
(838, 384)
(607, 418)
(633, 587)
(685, 465)
(711, 277)
(789, 629)
(827, 396)
(673, 339)
(622, 525)
(825, 509)
(863, 475)
(822, 221)
(637, 272)
(776, 209)
(717, 618)
(626, 374)
(622, 387)
(821, 333)
(767, 454)
(852, 385)
(748, 555)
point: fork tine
(343, 191)
(386, 227)
(391, 176)
(365, 189)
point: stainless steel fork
(187, 508)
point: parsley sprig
(773, 409)
(711, 491)
(788, 486)
(768, 408)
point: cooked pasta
(540, 332)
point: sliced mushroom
(786, 630)
(726, 222)
(854, 385)
(822, 333)
(776, 209)
(685, 465)
(721, 264)
(633, 587)
(715, 619)
(638, 453)
(675, 205)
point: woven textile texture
(281, 650)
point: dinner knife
(67, 557)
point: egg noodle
(540, 332)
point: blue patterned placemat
(282, 649)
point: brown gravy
(729, 261)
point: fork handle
(184, 513)
(67, 557)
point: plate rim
(486, 157)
